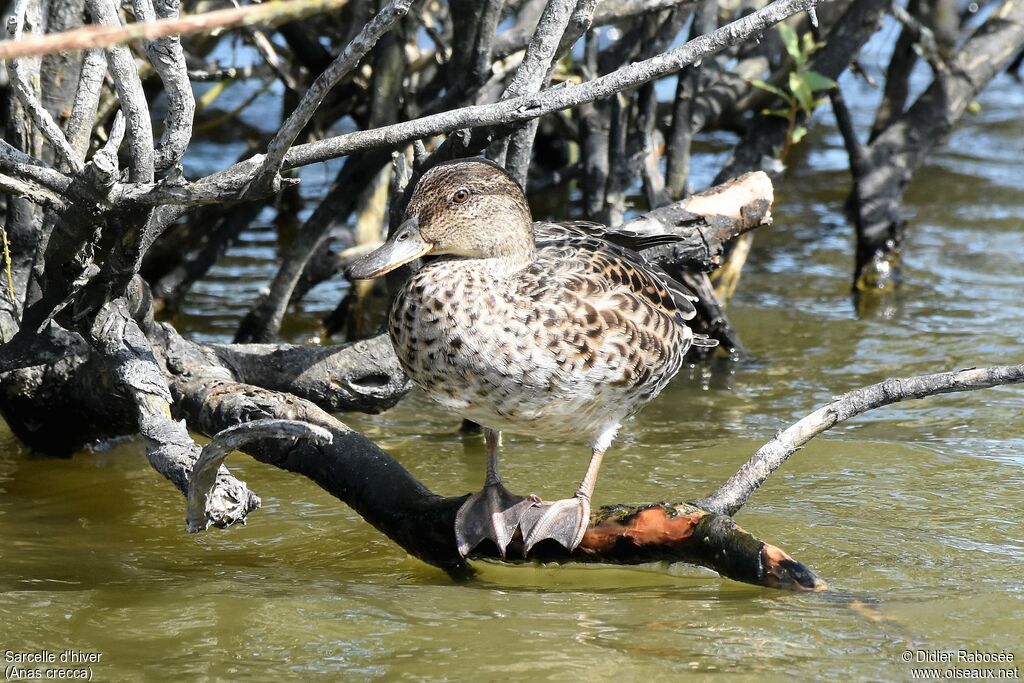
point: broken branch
(203, 481)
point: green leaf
(781, 113)
(815, 81)
(803, 94)
(768, 87)
(791, 42)
(798, 134)
(808, 44)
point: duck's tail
(704, 341)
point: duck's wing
(630, 239)
(612, 257)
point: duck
(555, 330)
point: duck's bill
(403, 246)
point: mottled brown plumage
(556, 330)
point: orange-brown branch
(106, 36)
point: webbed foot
(564, 521)
(492, 513)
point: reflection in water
(913, 510)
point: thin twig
(107, 36)
(606, 12)
(332, 75)
(925, 37)
(733, 494)
(7, 266)
(270, 56)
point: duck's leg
(564, 520)
(492, 513)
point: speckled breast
(478, 346)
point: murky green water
(912, 513)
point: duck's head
(468, 208)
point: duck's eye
(461, 196)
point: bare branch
(87, 99)
(40, 117)
(130, 93)
(733, 494)
(925, 37)
(230, 183)
(169, 448)
(557, 98)
(64, 256)
(109, 36)
(202, 483)
(168, 60)
(332, 75)
(607, 12)
(533, 74)
(31, 190)
(273, 60)
(28, 168)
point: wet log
(356, 471)
(363, 376)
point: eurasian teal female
(555, 330)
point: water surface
(912, 513)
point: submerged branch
(733, 494)
(117, 338)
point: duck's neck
(511, 258)
(506, 265)
(505, 253)
(498, 266)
